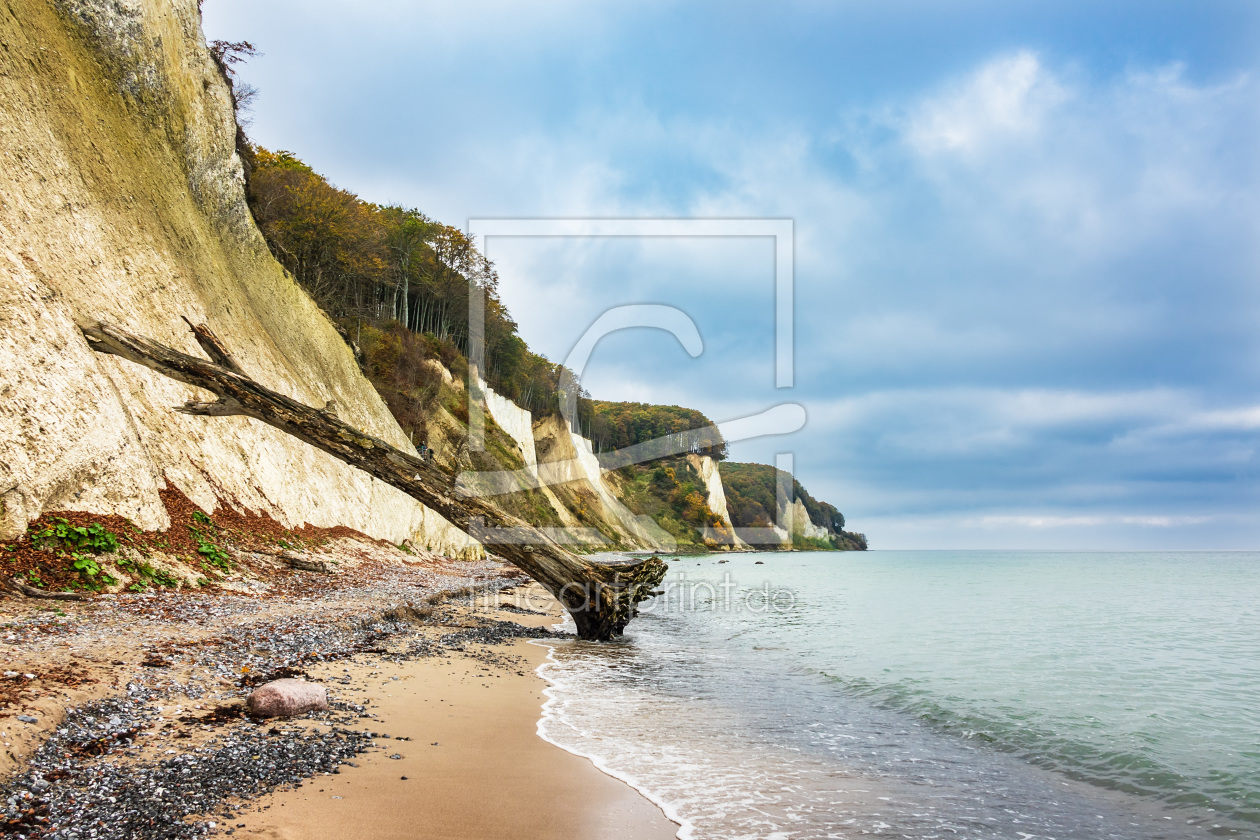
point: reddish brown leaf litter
(18, 687)
(156, 634)
(236, 532)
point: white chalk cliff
(121, 199)
(567, 458)
(516, 421)
(711, 475)
(797, 517)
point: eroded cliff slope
(121, 199)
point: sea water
(932, 694)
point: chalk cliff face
(641, 529)
(516, 421)
(567, 461)
(570, 462)
(121, 199)
(801, 522)
(796, 516)
(711, 476)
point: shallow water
(933, 694)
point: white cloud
(1201, 424)
(1008, 98)
(992, 410)
(1046, 161)
(1235, 419)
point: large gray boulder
(282, 698)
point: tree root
(29, 591)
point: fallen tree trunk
(601, 597)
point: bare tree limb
(221, 408)
(32, 592)
(601, 597)
(214, 348)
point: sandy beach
(474, 767)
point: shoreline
(684, 828)
(475, 767)
(476, 764)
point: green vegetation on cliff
(673, 494)
(618, 425)
(750, 498)
(368, 264)
(408, 371)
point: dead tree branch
(601, 597)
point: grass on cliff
(672, 493)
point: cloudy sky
(1026, 235)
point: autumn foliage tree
(331, 241)
(378, 265)
(618, 425)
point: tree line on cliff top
(394, 268)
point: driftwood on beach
(22, 587)
(601, 597)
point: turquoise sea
(933, 694)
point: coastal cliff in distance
(125, 200)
